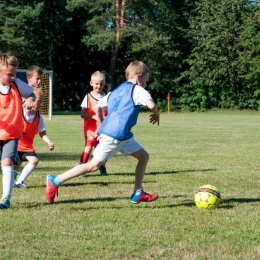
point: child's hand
(28, 103)
(94, 117)
(154, 118)
(97, 137)
(51, 146)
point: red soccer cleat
(51, 189)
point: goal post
(46, 86)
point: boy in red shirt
(12, 91)
(91, 124)
(32, 125)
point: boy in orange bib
(32, 125)
(12, 91)
(91, 124)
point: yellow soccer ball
(207, 197)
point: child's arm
(155, 117)
(99, 115)
(102, 104)
(84, 115)
(29, 101)
(47, 140)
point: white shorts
(108, 147)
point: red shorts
(91, 141)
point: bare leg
(17, 167)
(91, 166)
(143, 157)
(7, 162)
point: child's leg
(8, 181)
(90, 142)
(143, 157)
(103, 170)
(27, 170)
(139, 195)
(8, 157)
(91, 166)
(17, 167)
(53, 182)
(104, 150)
(85, 154)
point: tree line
(206, 53)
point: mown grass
(94, 219)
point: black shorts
(22, 155)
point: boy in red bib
(91, 124)
(12, 91)
(32, 125)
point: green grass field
(94, 219)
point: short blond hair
(7, 59)
(98, 75)
(32, 70)
(134, 68)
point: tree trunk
(120, 13)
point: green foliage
(214, 57)
(249, 59)
(162, 105)
(205, 53)
(20, 28)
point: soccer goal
(46, 86)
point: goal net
(46, 86)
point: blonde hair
(7, 59)
(32, 70)
(98, 75)
(134, 68)
(38, 93)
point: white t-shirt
(24, 88)
(85, 100)
(140, 96)
(29, 119)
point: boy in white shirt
(115, 134)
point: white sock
(58, 180)
(27, 170)
(8, 181)
(138, 191)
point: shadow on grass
(188, 203)
(93, 174)
(226, 204)
(99, 183)
(184, 171)
(67, 156)
(229, 203)
(138, 205)
(62, 156)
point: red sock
(84, 157)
